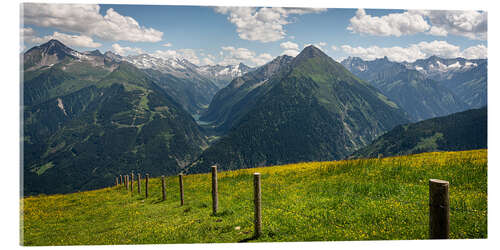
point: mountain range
(90, 116)
(308, 108)
(419, 87)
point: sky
(256, 35)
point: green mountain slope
(315, 110)
(232, 102)
(83, 132)
(460, 131)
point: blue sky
(227, 35)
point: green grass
(375, 199)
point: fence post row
(257, 196)
(181, 189)
(147, 183)
(131, 182)
(215, 194)
(439, 209)
(163, 194)
(139, 183)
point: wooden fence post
(257, 196)
(131, 182)
(126, 181)
(181, 189)
(439, 209)
(215, 193)
(139, 183)
(163, 192)
(147, 185)
(116, 179)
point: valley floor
(374, 199)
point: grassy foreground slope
(370, 199)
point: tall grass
(369, 199)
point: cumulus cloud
(290, 48)
(231, 55)
(262, 24)
(123, 51)
(416, 51)
(468, 23)
(167, 45)
(86, 20)
(475, 52)
(394, 24)
(28, 35)
(471, 24)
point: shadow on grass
(248, 239)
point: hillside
(460, 131)
(84, 122)
(377, 199)
(314, 109)
(232, 102)
(467, 78)
(421, 97)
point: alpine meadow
(159, 124)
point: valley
(89, 115)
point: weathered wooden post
(116, 180)
(215, 193)
(147, 185)
(126, 181)
(139, 183)
(131, 182)
(257, 199)
(181, 187)
(163, 192)
(439, 209)
(121, 180)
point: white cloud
(416, 51)
(188, 54)
(290, 52)
(262, 24)
(289, 45)
(29, 36)
(290, 48)
(334, 48)
(167, 45)
(394, 24)
(231, 55)
(471, 24)
(123, 51)
(475, 52)
(165, 54)
(86, 19)
(207, 61)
